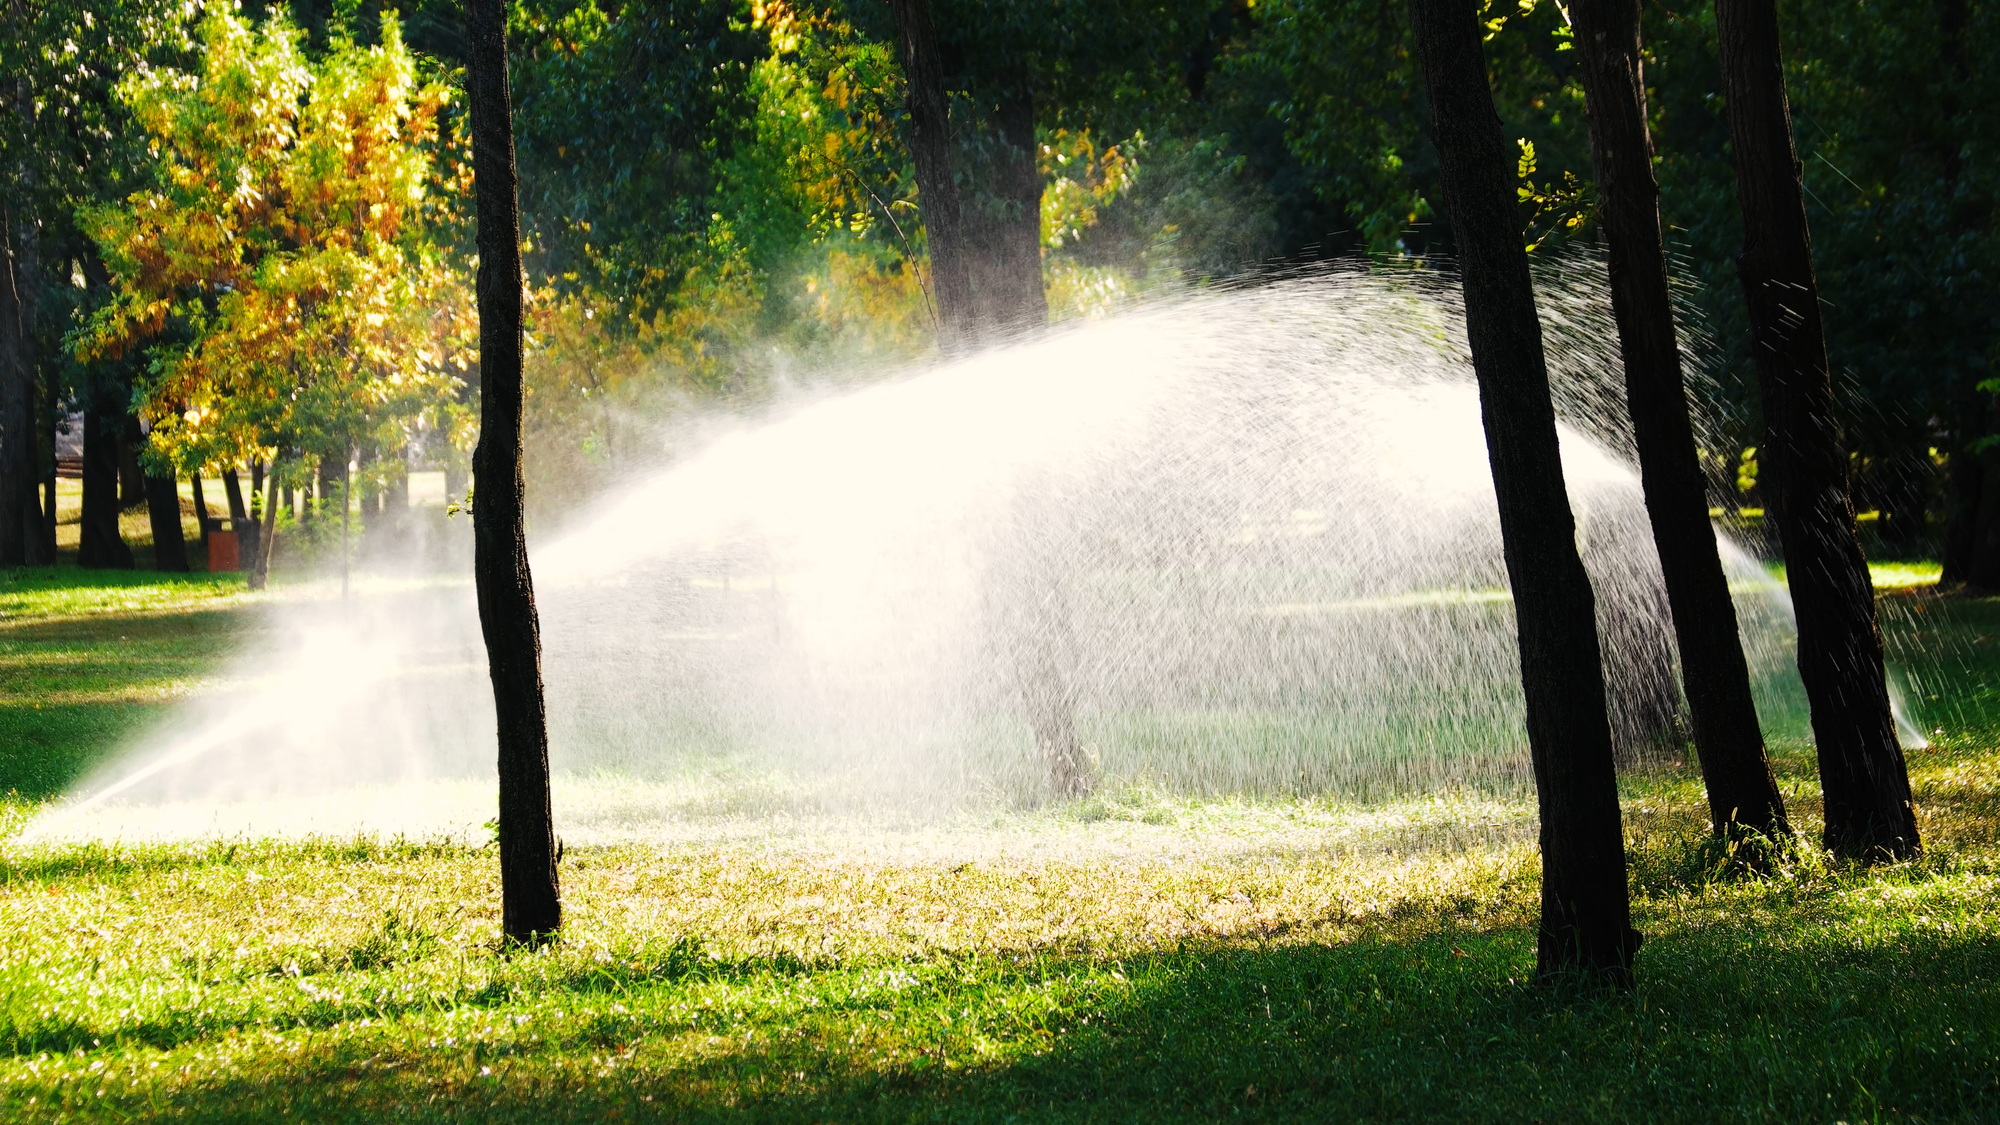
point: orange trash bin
(222, 549)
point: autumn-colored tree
(281, 266)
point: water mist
(1238, 543)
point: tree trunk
(163, 507)
(1586, 923)
(531, 903)
(1004, 224)
(1965, 470)
(99, 544)
(20, 513)
(1742, 792)
(240, 521)
(131, 477)
(42, 550)
(1862, 774)
(200, 512)
(267, 536)
(937, 190)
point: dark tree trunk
(1965, 470)
(1742, 792)
(1004, 225)
(240, 521)
(163, 507)
(42, 551)
(1862, 774)
(937, 189)
(131, 478)
(531, 903)
(1586, 921)
(267, 534)
(200, 512)
(99, 544)
(20, 510)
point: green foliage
(280, 267)
(622, 111)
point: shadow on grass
(73, 690)
(1727, 1024)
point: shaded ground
(795, 980)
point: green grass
(1267, 961)
(86, 658)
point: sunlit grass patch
(1141, 955)
(49, 593)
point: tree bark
(20, 512)
(1586, 922)
(163, 508)
(131, 477)
(267, 535)
(1742, 792)
(1005, 229)
(200, 513)
(937, 188)
(240, 521)
(42, 550)
(1864, 780)
(99, 545)
(531, 903)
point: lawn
(1136, 957)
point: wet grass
(939, 977)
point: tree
(163, 512)
(930, 150)
(1586, 915)
(1869, 814)
(1742, 793)
(280, 269)
(531, 902)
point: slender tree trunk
(240, 522)
(43, 549)
(19, 514)
(1742, 792)
(267, 537)
(163, 508)
(1862, 775)
(1586, 921)
(531, 903)
(937, 190)
(99, 544)
(1965, 470)
(200, 513)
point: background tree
(1862, 774)
(531, 903)
(1586, 914)
(280, 268)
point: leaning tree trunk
(99, 544)
(1586, 921)
(531, 903)
(1862, 774)
(1742, 792)
(163, 509)
(937, 190)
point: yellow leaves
(1088, 179)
